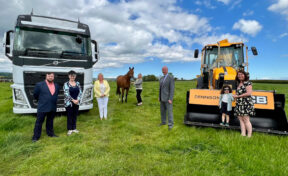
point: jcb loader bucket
(202, 110)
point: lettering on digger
(260, 99)
(256, 99)
(206, 97)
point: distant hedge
(271, 81)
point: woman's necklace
(72, 83)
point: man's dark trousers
(39, 122)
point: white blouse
(102, 88)
(225, 98)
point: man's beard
(50, 81)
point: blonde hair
(100, 74)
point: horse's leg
(127, 90)
(118, 92)
(119, 95)
(122, 94)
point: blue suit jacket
(46, 101)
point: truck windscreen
(31, 41)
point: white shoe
(69, 132)
(75, 131)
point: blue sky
(148, 34)
(272, 61)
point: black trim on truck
(31, 78)
(28, 18)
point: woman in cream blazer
(101, 90)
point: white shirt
(102, 88)
(225, 98)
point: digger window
(229, 56)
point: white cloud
(232, 4)
(250, 27)
(136, 28)
(204, 40)
(281, 6)
(133, 26)
(236, 3)
(283, 35)
(224, 1)
(248, 13)
(206, 3)
(5, 64)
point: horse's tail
(118, 90)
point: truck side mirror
(7, 44)
(254, 51)
(96, 51)
(196, 52)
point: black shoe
(161, 124)
(34, 140)
(53, 135)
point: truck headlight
(21, 106)
(19, 96)
(87, 95)
(88, 102)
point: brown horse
(123, 82)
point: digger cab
(223, 56)
(219, 63)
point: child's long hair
(226, 86)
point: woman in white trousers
(101, 90)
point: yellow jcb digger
(219, 65)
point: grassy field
(131, 143)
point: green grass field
(131, 143)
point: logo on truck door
(261, 100)
(55, 62)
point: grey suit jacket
(166, 89)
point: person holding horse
(123, 82)
(166, 93)
(138, 85)
(102, 89)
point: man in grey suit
(166, 93)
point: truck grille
(31, 78)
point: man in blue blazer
(46, 92)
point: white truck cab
(41, 44)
